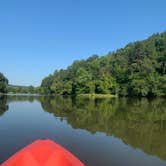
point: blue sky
(39, 36)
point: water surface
(100, 132)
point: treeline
(139, 69)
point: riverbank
(97, 95)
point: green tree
(3, 83)
(83, 81)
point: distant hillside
(139, 69)
(20, 89)
(17, 86)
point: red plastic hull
(43, 153)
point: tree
(82, 81)
(31, 89)
(3, 83)
(46, 84)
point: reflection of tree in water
(139, 123)
(5, 100)
(3, 105)
(21, 98)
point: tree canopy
(139, 69)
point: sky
(39, 36)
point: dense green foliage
(3, 83)
(139, 69)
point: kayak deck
(43, 153)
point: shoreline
(97, 95)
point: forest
(138, 69)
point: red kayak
(43, 153)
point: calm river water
(100, 132)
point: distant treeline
(139, 69)
(21, 89)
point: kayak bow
(43, 153)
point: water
(101, 132)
